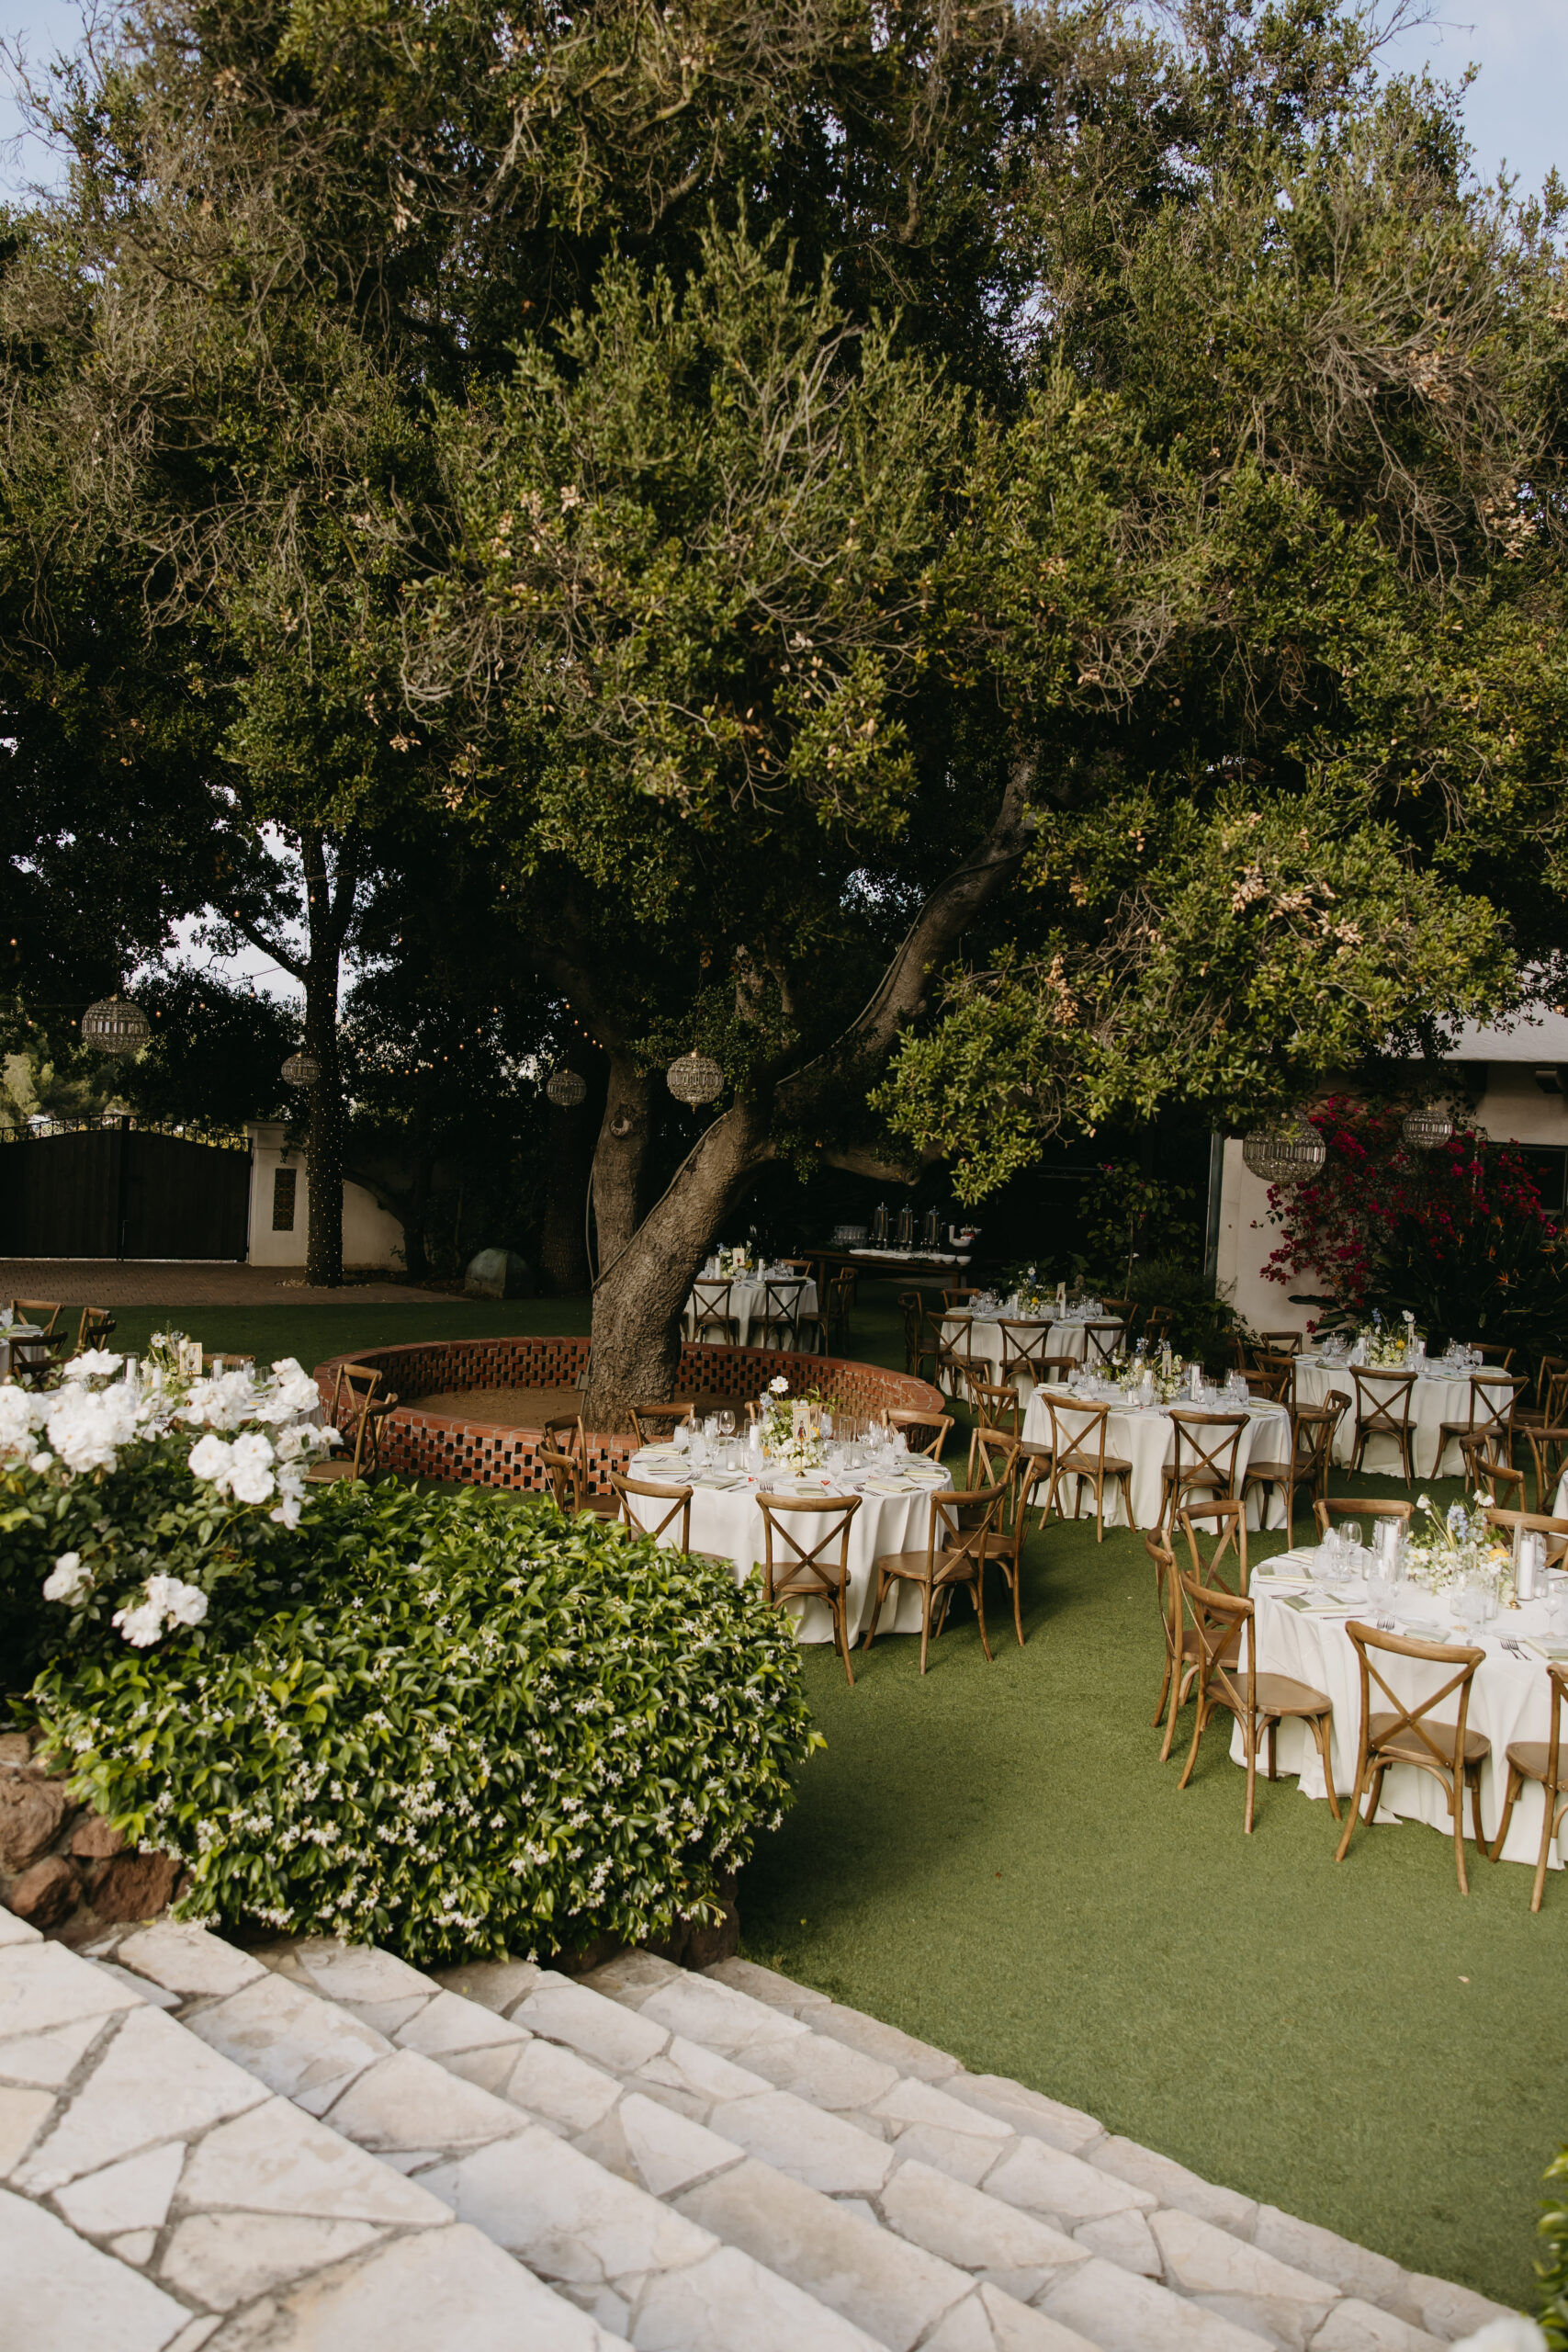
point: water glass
(1350, 1531)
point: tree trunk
(328, 909)
(563, 1247)
(624, 1133)
(640, 1292)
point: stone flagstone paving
(315, 2146)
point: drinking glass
(1470, 1608)
(726, 1423)
(1327, 1561)
(1350, 1528)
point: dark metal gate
(123, 1191)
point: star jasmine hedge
(479, 1726)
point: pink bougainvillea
(1377, 1200)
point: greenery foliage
(1552, 2270)
(1455, 1236)
(455, 1722)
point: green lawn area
(996, 1859)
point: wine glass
(1350, 1530)
(726, 1423)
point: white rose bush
(455, 1721)
(124, 1514)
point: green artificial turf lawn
(996, 1859)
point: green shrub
(475, 1726)
(1553, 2271)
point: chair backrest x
(653, 1422)
(1442, 1743)
(1026, 1347)
(1531, 1523)
(1383, 1401)
(1100, 1341)
(1203, 1449)
(997, 1403)
(961, 1518)
(1218, 1529)
(923, 1432)
(678, 1497)
(1218, 1615)
(1078, 1432)
(801, 1567)
(1493, 1396)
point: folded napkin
(888, 1487)
(1555, 1653)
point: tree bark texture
(328, 906)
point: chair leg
(1273, 1747)
(841, 1630)
(1352, 1814)
(1197, 1735)
(1251, 1735)
(980, 1610)
(1323, 1728)
(1158, 1715)
(1474, 1777)
(871, 1621)
(926, 1597)
(1510, 1795)
(1459, 1837)
(1179, 1688)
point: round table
(1509, 1700)
(748, 1297)
(726, 1523)
(985, 1338)
(1143, 1436)
(1436, 1398)
(15, 1331)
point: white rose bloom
(139, 1626)
(21, 1412)
(222, 1403)
(181, 1603)
(291, 1391)
(93, 1363)
(209, 1458)
(68, 1579)
(250, 1473)
(86, 1425)
(41, 1462)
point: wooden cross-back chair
(1383, 1410)
(996, 1405)
(1305, 1465)
(96, 1326)
(801, 1570)
(1542, 1761)
(1125, 1309)
(678, 1497)
(1549, 1439)
(1026, 1355)
(652, 1421)
(45, 1313)
(1156, 1324)
(1216, 1541)
(1203, 1453)
(1280, 1343)
(1328, 1508)
(1485, 1468)
(932, 1430)
(1078, 1452)
(358, 1411)
(996, 1458)
(955, 1361)
(778, 1322)
(564, 1453)
(1532, 1522)
(711, 1310)
(1100, 1341)
(1223, 1622)
(1273, 1378)
(1180, 1642)
(953, 1557)
(1404, 1732)
(917, 1341)
(1492, 1352)
(1493, 1396)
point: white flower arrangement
(792, 1427)
(1457, 1548)
(97, 1425)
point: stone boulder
(498, 1273)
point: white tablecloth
(16, 1332)
(728, 1525)
(1511, 1700)
(1432, 1402)
(985, 1340)
(748, 1297)
(1147, 1440)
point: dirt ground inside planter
(512, 1408)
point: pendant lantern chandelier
(1288, 1155)
(565, 1089)
(695, 1078)
(301, 1069)
(115, 1025)
(1427, 1126)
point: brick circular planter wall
(474, 1452)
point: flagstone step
(592, 2226)
(851, 2256)
(155, 2197)
(873, 2075)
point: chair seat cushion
(1084, 1466)
(943, 1568)
(1405, 1745)
(1266, 1470)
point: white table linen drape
(1433, 1401)
(748, 1297)
(1511, 1700)
(726, 1523)
(1144, 1438)
(985, 1341)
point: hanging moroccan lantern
(565, 1089)
(695, 1078)
(1286, 1157)
(115, 1025)
(1426, 1128)
(301, 1069)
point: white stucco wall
(1512, 1109)
(371, 1235)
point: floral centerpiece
(1456, 1547)
(1387, 1345)
(734, 1263)
(792, 1427)
(136, 1497)
(1030, 1294)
